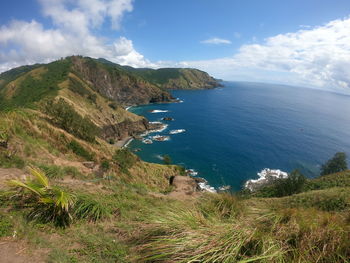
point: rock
(167, 119)
(266, 177)
(89, 165)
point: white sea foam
(155, 122)
(162, 128)
(160, 157)
(159, 111)
(191, 172)
(147, 141)
(204, 186)
(127, 143)
(265, 176)
(177, 131)
(127, 108)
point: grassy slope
(215, 228)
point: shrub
(48, 204)
(111, 141)
(124, 159)
(64, 116)
(166, 159)
(335, 165)
(80, 150)
(105, 165)
(332, 204)
(293, 184)
(113, 105)
(6, 226)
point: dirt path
(10, 173)
(17, 251)
(185, 188)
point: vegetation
(335, 165)
(33, 89)
(64, 116)
(293, 184)
(77, 87)
(124, 159)
(80, 150)
(166, 159)
(9, 159)
(48, 203)
(88, 208)
(59, 172)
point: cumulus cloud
(27, 42)
(318, 57)
(216, 41)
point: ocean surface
(232, 133)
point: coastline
(124, 142)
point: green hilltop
(70, 193)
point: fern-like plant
(47, 203)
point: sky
(294, 42)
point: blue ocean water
(234, 132)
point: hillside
(173, 78)
(69, 193)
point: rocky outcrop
(117, 84)
(125, 129)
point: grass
(59, 172)
(64, 116)
(80, 150)
(124, 159)
(6, 226)
(11, 160)
(89, 208)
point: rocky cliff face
(125, 128)
(118, 85)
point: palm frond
(40, 177)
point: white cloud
(216, 41)
(23, 42)
(318, 57)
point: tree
(335, 165)
(293, 184)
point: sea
(230, 134)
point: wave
(162, 128)
(265, 176)
(127, 108)
(158, 111)
(191, 172)
(127, 143)
(177, 131)
(147, 141)
(204, 186)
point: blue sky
(271, 40)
